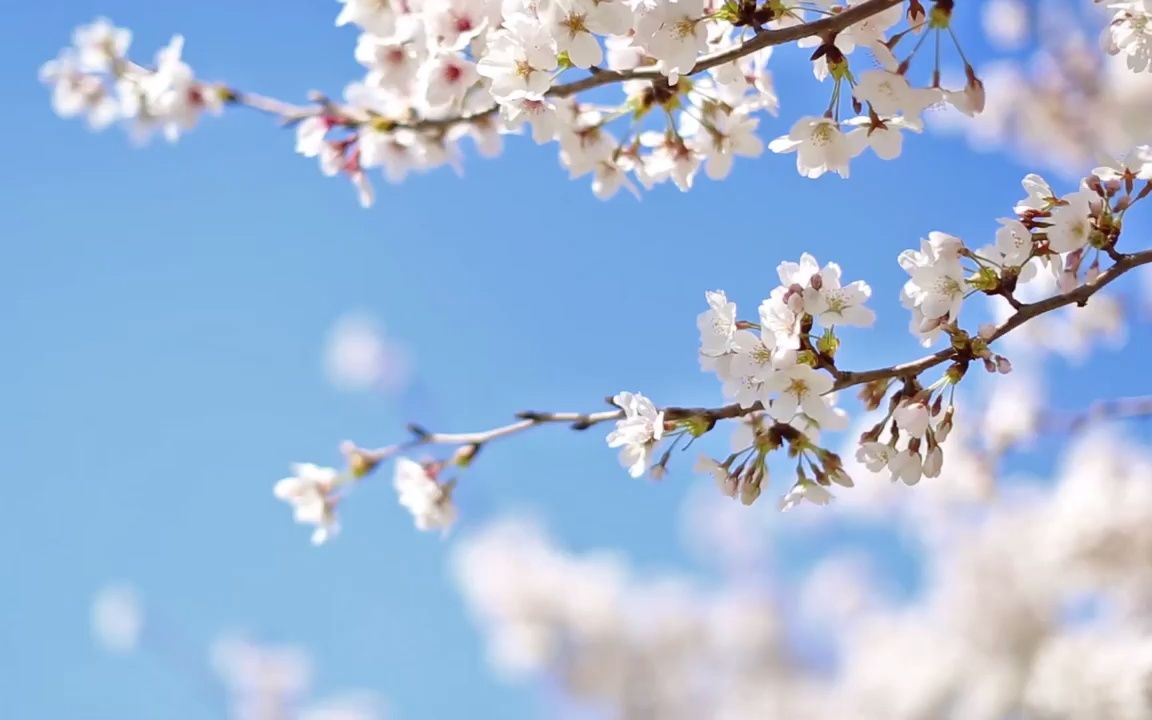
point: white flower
(780, 313)
(802, 388)
(1013, 242)
(520, 58)
(820, 147)
(311, 493)
(310, 135)
(800, 273)
(608, 177)
(575, 24)
(1137, 164)
(454, 23)
(75, 92)
(805, 490)
(936, 287)
(1071, 224)
(890, 94)
(754, 355)
(717, 325)
(912, 418)
(375, 16)
(429, 501)
(637, 433)
(725, 136)
(519, 106)
(117, 618)
(906, 465)
(933, 462)
(675, 33)
(885, 139)
(875, 455)
(100, 45)
(1130, 32)
(707, 466)
(670, 158)
(1040, 196)
(830, 303)
(445, 78)
(871, 30)
(583, 150)
(171, 98)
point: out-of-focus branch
(1112, 409)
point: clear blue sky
(164, 310)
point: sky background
(165, 311)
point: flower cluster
(782, 369)
(918, 424)
(94, 78)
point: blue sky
(165, 310)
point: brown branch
(845, 379)
(825, 27)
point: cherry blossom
(637, 433)
(805, 491)
(1130, 33)
(429, 501)
(820, 146)
(1071, 223)
(311, 493)
(674, 33)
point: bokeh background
(168, 310)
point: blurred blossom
(361, 706)
(271, 682)
(358, 357)
(1012, 412)
(838, 589)
(985, 635)
(117, 618)
(262, 681)
(1006, 23)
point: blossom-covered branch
(780, 375)
(693, 73)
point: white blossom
(805, 491)
(820, 146)
(637, 433)
(429, 501)
(117, 618)
(1071, 223)
(1130, 33)
(673, 32)
(311, 491)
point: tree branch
(845, 379)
